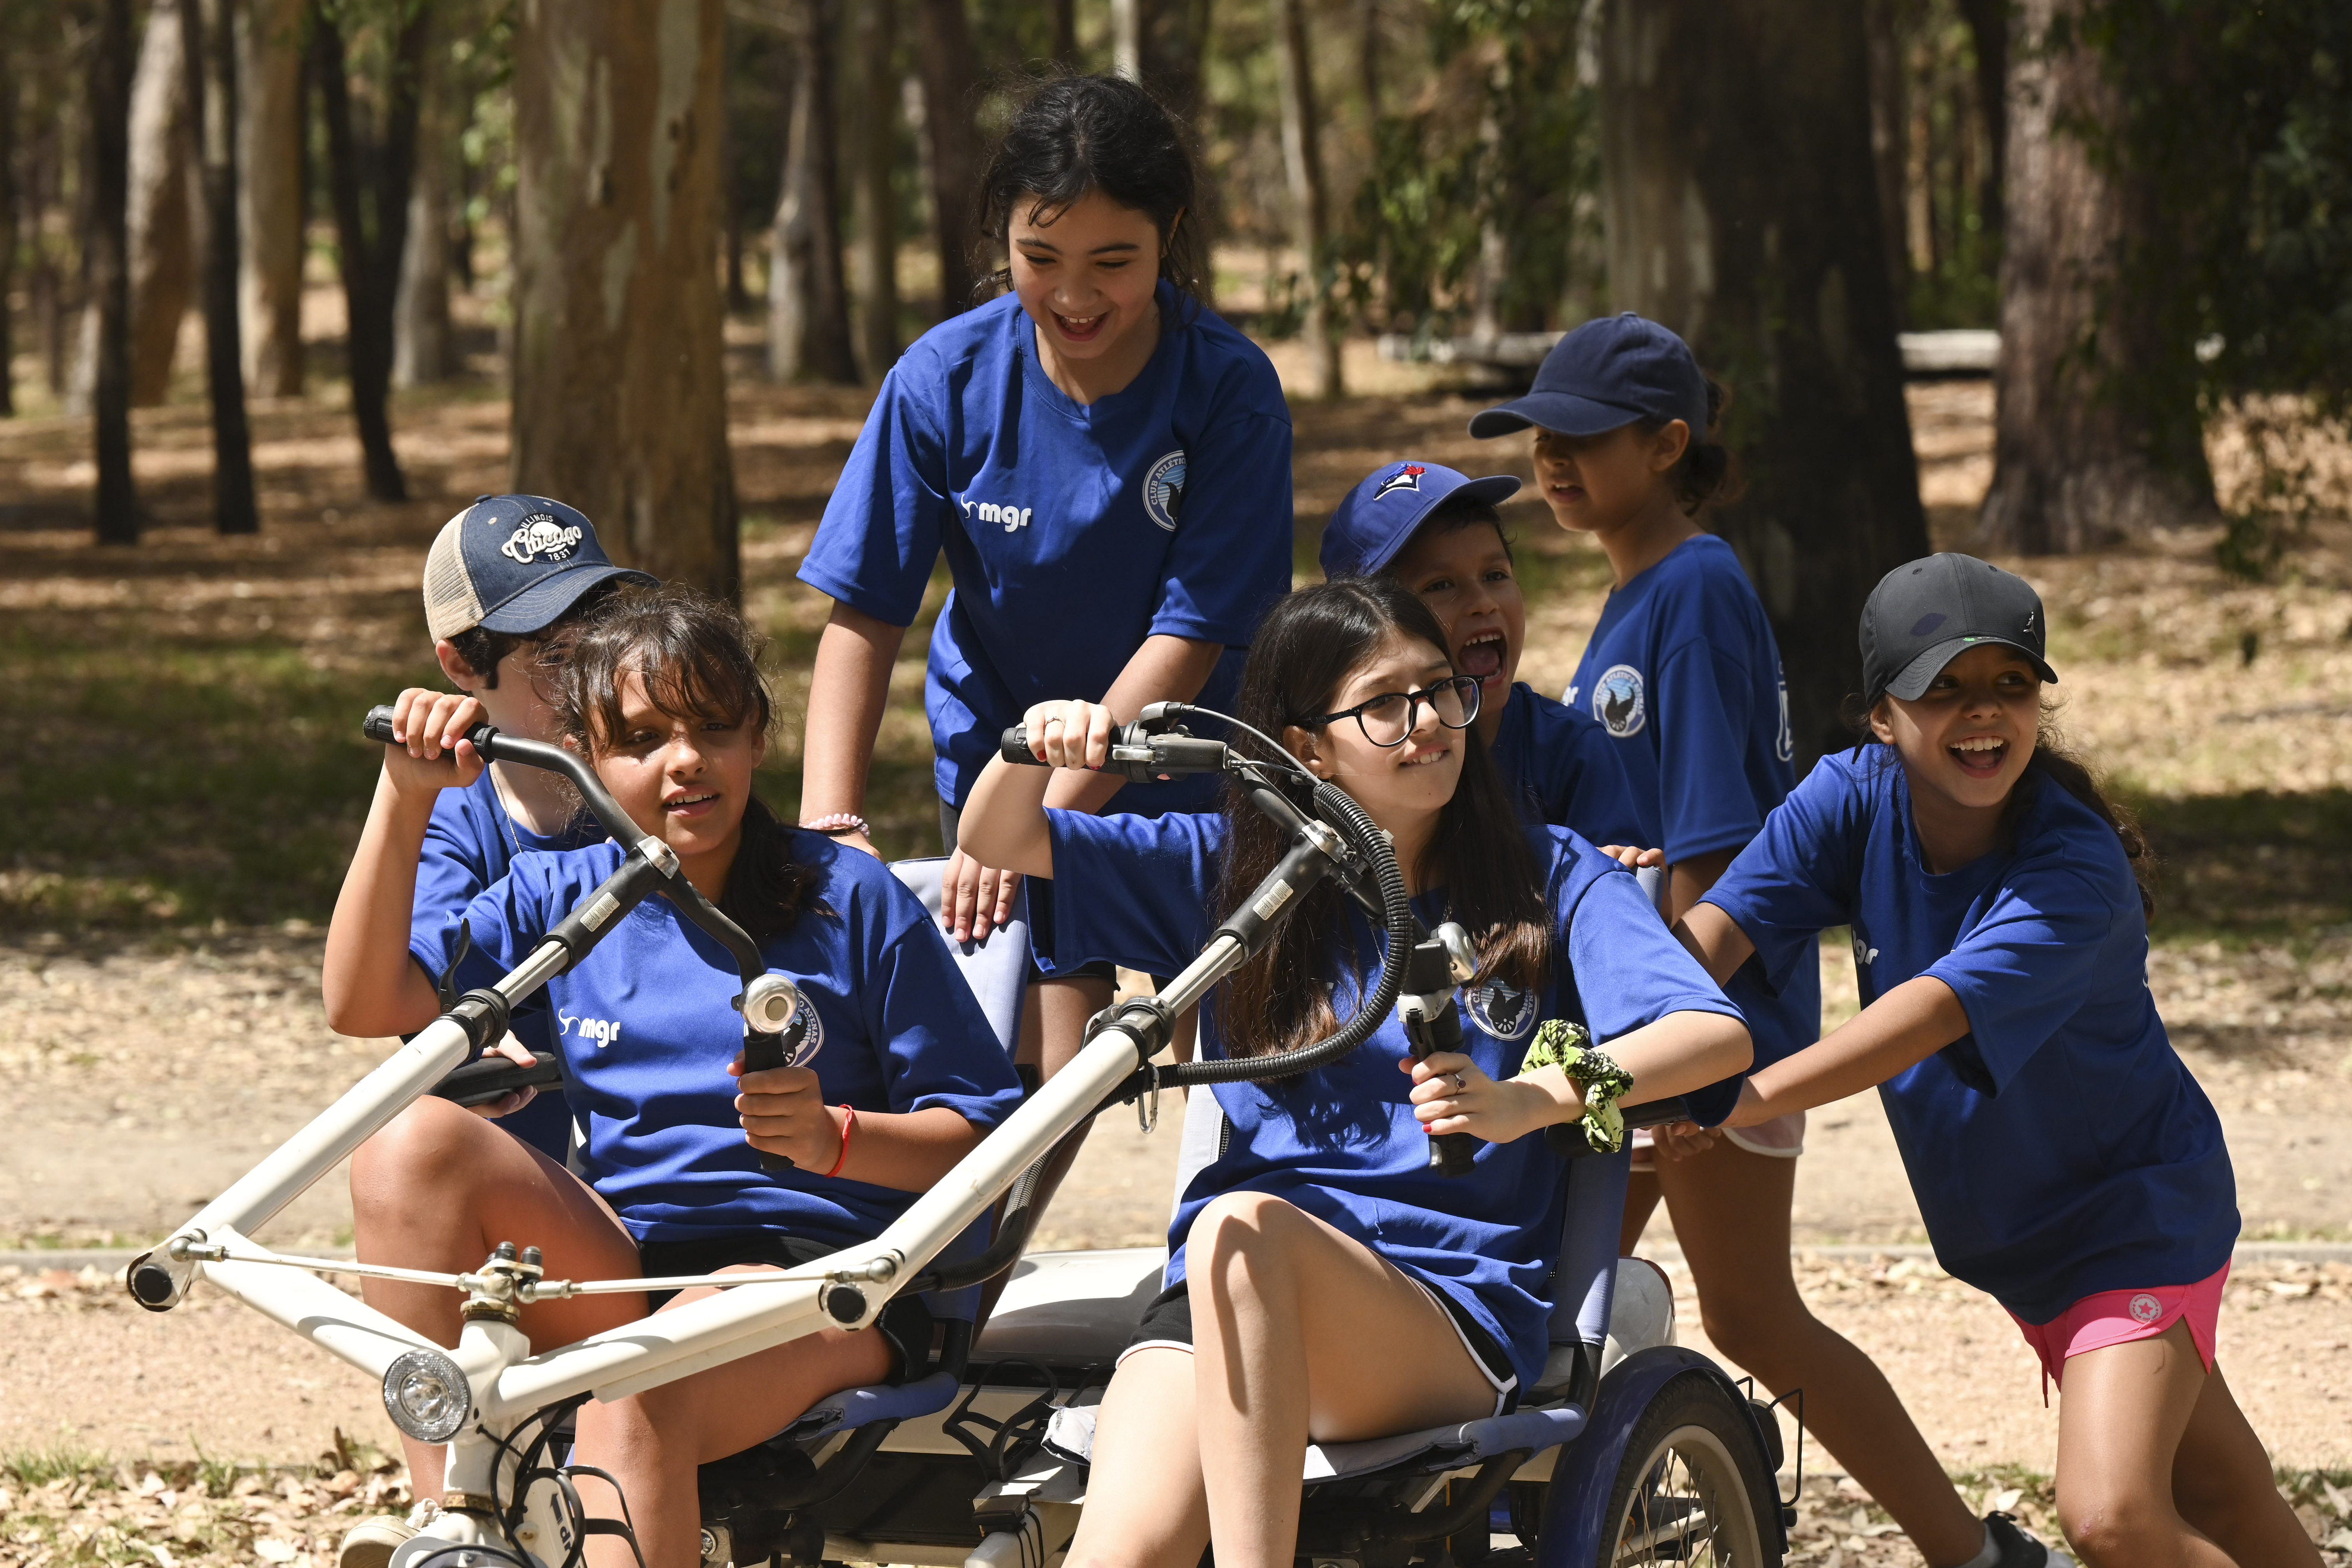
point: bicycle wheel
(1691, 1488)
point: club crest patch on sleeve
(1163, 490)
(1617, 701)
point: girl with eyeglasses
(1324, 1283)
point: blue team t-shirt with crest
(2061, 1147)
(470, 843)
(1684, 672)
(647, 1030)
(1073, 531)
(1566, 769)
(1342, 1142)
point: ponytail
(1706, 471)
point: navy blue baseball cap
(1380, 515)
(1608, 371)
(515, 564)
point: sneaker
(2019, 1547)
(370, 1543)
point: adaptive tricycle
(1628, 1449)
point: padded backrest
(996, 967)
(1586, 1273)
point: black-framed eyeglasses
(1389, 718)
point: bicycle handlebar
(1137, 754)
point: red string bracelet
(848, 1126)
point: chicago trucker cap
(1608, 371)
(1379, 516)
(1924, 615)
(514, 565)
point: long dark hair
(2053, 761)
(699, 660)
(1308, 644)
(1076, 134)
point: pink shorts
(2117, 1317)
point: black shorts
(905, 1324)
(949, 815)
(1168, 1323)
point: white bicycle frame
(507, 1383)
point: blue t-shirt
(470, 844)
(646, 1031)
(2061, 1147)
(1073, 531)
(1342, 1143)
(1566, 769)
(1684, 672)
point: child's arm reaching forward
(372, 986)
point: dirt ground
(144, 1064)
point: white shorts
(1782, 1138)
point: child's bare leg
(1730, 1210)
(1288, 1317)
(2156, 1468)
(1146, 1506)
(652, 1442)
(437, 1189)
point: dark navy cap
(515, 564)
(1380, 515)
(1608, 371)
(1923, 616)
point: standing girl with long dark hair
(1325, 1283)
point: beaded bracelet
(834, 824)
(1567, 1047)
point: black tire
(1692, 1488)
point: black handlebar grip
(377, 727)
(1456, 1152)
(762, 1051)
(1013, 747)
(493, 1077)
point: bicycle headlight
(426, 1395)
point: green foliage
(2236, 139)
(39, 1467)
(1485, 180)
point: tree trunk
(1302, 157)
(2094, 439)
(1743, 213)
(948, 80)
(808, 303)
(1065, 34)
(1989, 31)
(620, 401)
(270, 195)
(876, 140)
(423, 349)
(8, 106)
(210, 28)
(1890, 159)
(109, 270)
(161, 264)
(371, 226)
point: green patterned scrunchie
(1567, 1046)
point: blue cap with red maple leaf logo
(1380, 515)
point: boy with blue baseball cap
(1438, 532)
(506, 581)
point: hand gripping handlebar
(1138, 753)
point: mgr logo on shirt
(1502, 1009)
(1163, 489)
(1617, 701)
